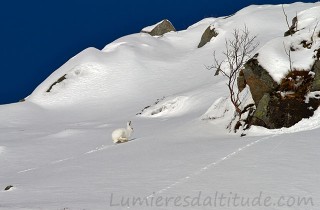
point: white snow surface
(56, 147)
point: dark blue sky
(39, 36)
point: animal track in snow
(62, 160)
(97, 149)
(26, 170)
(210, 165)
(64, 133)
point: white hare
(121, 135)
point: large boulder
(207, 35)
(258, 79)
(159, 29)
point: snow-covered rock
(283, 73)
(159, 29)
(207, 35)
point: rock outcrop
(294, 95)
(207, 35)
(56, 82)
(159, 29)
(284, 104)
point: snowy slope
(56, 148)
(302, 57)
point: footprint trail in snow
(209, 166)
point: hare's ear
(129, 122)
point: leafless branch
(314, 30)
(238, 50)
(286, 16)
(288, 52)
(291, 29)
